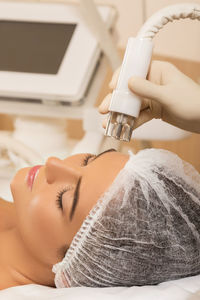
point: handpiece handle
(135, 63)
(125, 106)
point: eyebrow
(77, 189)
(75, 200)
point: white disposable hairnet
(144, 230)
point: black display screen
(33, 47)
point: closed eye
(88, 156)
(59, 197)
(86, 159)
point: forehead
(99, 174)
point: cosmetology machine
(51, 69)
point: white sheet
(181, 289)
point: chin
(18, 184)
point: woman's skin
(34, 231)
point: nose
(57, 170)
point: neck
(17, 265)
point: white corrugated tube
(125, 106)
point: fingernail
(104, 122)
(102, 106)
(131, 81)
(111, 83)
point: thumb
(146, 89)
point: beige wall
(180, 39)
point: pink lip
(31, 175)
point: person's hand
(168, 94)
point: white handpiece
(125, 106)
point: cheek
(39, 221)
(42, 227)
(46, 219)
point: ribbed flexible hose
(168, 14)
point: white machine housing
(69, 81)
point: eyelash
(85, 160)
(59, 198)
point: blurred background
(178, 43)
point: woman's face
(51, 208)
